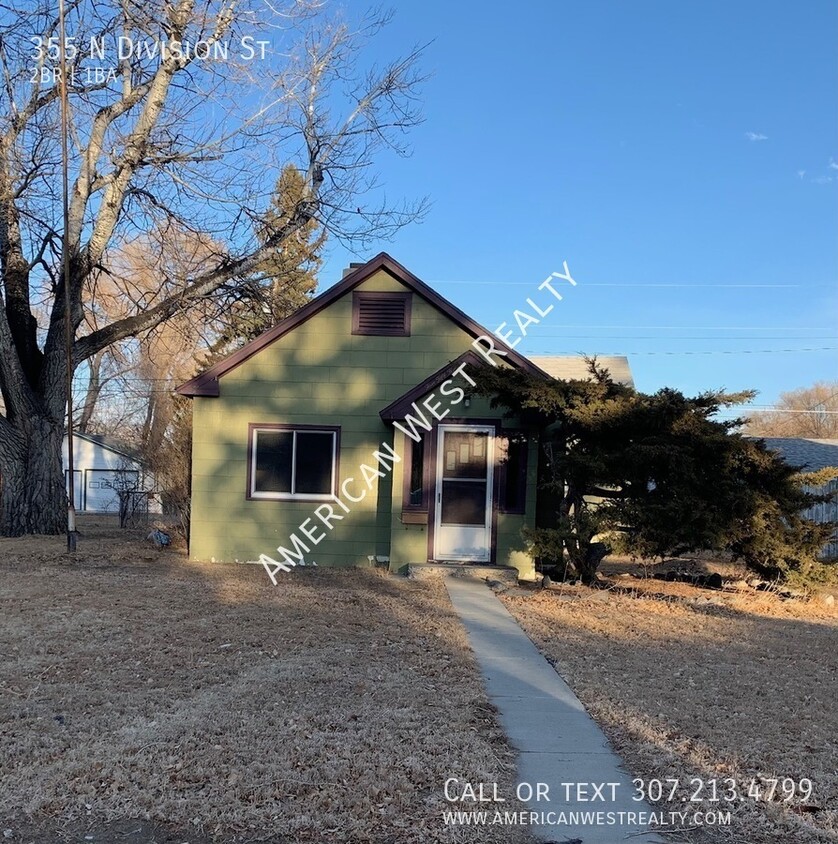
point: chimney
(353, 265)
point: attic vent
(381, 314)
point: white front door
(463, 520)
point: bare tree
(190, 126)
(806, 412)
(129, 384)
(149, 368)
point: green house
(344, 436)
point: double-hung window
(293, 462)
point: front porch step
(421, 571)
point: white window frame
(254, 432)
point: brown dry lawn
(202, 704)
(743, 686)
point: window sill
(279, 496)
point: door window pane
(465, 454)
(463, 503)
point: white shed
(101, 467)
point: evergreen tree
(655, 475)
(281, 283)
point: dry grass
(740, 685)
(137, 685)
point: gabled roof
(575, 368)
(206, 384)
(111, 444)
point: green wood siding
(320, 374)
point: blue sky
(667, 151)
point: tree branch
(197, 289)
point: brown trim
(206, 383)
(359, 296)
(414, 517)
(274, 426)
(521, 480)
(496, 424)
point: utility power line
(636, 353)
(788, 410)
(135, 379)
(623, 327)
(688, 285)
(692, 337)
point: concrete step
(477, 571)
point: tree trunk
(589, 563)
(32, 493)
(91, 397)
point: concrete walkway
(558, 742)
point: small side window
(415, 496)
(416, 489)
(513, 472)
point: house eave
(200, 385)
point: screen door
(463, 523)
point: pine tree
(284, 281)
(655, 475)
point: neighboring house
(575, 367)
(101, 467)
(342, 435)
(812, 455)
